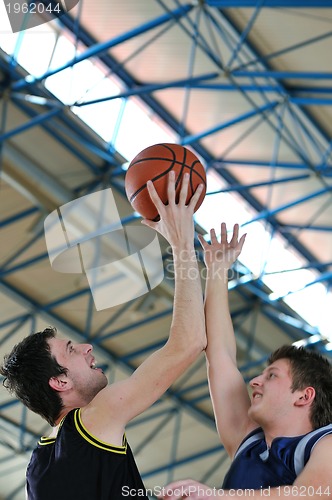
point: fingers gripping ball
(154, 163)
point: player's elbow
(190, 347)
(198, 346)
(202, 342)
(201, 337)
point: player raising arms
(282, 435)
(87, 456)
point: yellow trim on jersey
(50, 440)
(94, 440)
(46, 440)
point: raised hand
(224, 253)
(176, 219)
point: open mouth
(93, 366)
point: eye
(271, 375)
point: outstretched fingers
(184, 189)
(213, 236)
(171, 195)
(171, 188)
(241, 242)
(230, 250)
(234, 241)
(176, 216)
(157, 203)
(153, 194)
(223, 234)
(195, 197)
(202, 241)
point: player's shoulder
(106, 398)
(102, 418)
(248, 438)
(314, 449)
(316, 437)
(323, 445)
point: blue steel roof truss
(289, 99)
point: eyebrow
(271, 367)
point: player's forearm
(188, 324)
(219, 327)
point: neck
(67, 408)
(290, 429)
(63, 413)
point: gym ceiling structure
(245, 84)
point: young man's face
(83, 376)
(272, 397)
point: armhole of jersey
(251, 438)
(94, 440)
(301, 449)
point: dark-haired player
(87, 456)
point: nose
(86, 348)
(256, 381)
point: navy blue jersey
(257, 466)
(75, 464)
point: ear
(306, 397)
(61, 383)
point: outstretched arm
(124, 400)
(227, 388)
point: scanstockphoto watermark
(23, 15)
(185, 491)
(216, 270)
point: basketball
(154, 163)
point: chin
(252, 413)
(103, 381)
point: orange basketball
(154, 163)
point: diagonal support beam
(238, 119)
(100, 48)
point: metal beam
(283, 75)
(99, 48)
(234, 121)
(152, 87)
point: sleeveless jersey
(76, 465)
(256, 466)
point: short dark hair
(27, 371)
(310, 369)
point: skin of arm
(228, 391)
(122, 401)
(314, 482)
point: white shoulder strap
(259, 434)
(300, 448)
